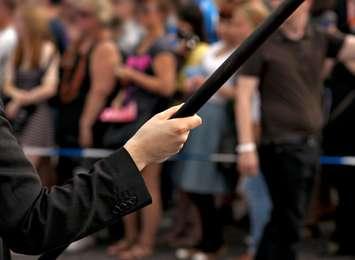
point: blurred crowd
(89, 73)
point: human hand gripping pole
(238, 58)
(160, 138)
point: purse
(123, 109)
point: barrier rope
(214, 158)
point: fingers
(183, 125)
(167, 114)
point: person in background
(149, 76)
(8, 35)
(203, 181)
(339, 138)
(209, 10)
(248, 16)
(130, 32)
(192, 46)
(31, 79)
(88, 79)
(289, 149)
(57, 28)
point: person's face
(184, 26)
(222, 29)
(85, 19)
(149, 14)
(123, 9)
(240, 28)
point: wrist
(246, 148)
(85, 125)
(136, 154)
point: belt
(292, 140)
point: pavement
(310, 251)
(100, 255)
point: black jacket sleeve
(34, 220)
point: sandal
(136, 252)
(120, 246)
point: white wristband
(246, 148)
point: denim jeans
(259, 204)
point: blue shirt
(211, 15)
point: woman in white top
(202, 180)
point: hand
(22, 97)
(194, 83)
(12, 109)
(124, 73)
(86, 137)
(160, 138)
(248, 164)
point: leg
(346, 209)
(185, 231)
(289, 172)
(259, 205)
(151, 216)
(212, 230)
(46, 172)
(35, 160)
(65, 169)
(130, 236)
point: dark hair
(10, 4)
(55, 2)
(192, 14)
(226, 10)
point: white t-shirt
(211, 62)
(8, 41)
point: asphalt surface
(100, 255)
(310, 251)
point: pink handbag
(125, 114)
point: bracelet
(246, 148)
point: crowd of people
(89, 73)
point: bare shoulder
(105, 49)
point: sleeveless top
(74, 88)
(149, 103)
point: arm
(104, 61)
(246, 89)
(10, 89)
(48, 87)
(164, 80)
(35, 220)
(227, 92)
(347, 52)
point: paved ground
(99, 255)
(310, 251)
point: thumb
(167, 114)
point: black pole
(238, 58)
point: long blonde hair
(36, 24)
(254, 11)
(102, 9)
